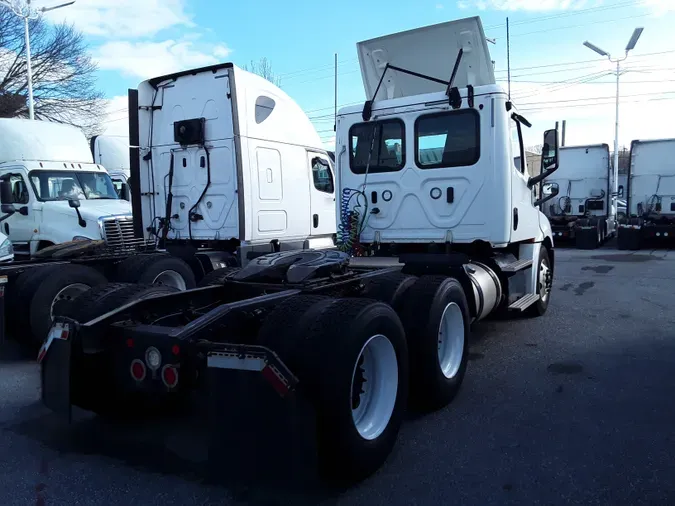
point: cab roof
(24, 139)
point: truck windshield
(64, 185)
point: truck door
(20, 227)
(322, 194)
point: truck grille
(119, 232)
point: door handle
(315, 220)
(450, 195)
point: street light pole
(631, 45)
(26, 12)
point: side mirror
(549, 191)
(549, 157)
(74, 203)
(620, 191)
(6, 196)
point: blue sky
(554, 77)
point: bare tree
(264, 69)
(64, 79)
(536, 149)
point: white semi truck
(48, 167)
(584, 211)
(650, 213)
(438, 229)
(228, 167)
(112, 152)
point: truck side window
(519, 159)
(388, 150)
(447, 139)
(321, 175)
(19, 190)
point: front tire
(544, 284)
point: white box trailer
(228, 161)
(650, 194)
(583, 211)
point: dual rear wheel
(361, 362)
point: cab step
(518, 265)
(524, 302)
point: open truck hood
(430, 50)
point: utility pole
(26, 12)
(631, 45)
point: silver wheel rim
(170, 278)
(543, 274)
(451, 340)
(374, 387)
(67, 293)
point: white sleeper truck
(228, 166)
(583, 212)
(228, 163)
(57, 193)
(317, 353)
(650, 213)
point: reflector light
(170, 376)
(175, 349)
(137, 370)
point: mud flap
(258, 436)
(55, 378)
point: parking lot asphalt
(575, 407)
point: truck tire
(543, 270)
(217, 276)
(64, 282)
(156, 269)
(437, 324)
(22, 291)
(389, 288)
(340, 344)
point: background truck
(113, 153)
(245, 174)
(228, 163)
(57, 193)
(650, 194)
(584, 211)
(439, 229)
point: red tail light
(138, 370)
(170, 376)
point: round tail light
(170, 376)
(138, 370)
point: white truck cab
(584, 211)
(112, 152)
(53, 190)
(227, 160)
(427, 164)
(650, 209)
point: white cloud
(121, 19)
(659, 7)
(117, 117)
(150, 59)
(525, 5)
(439, 6)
